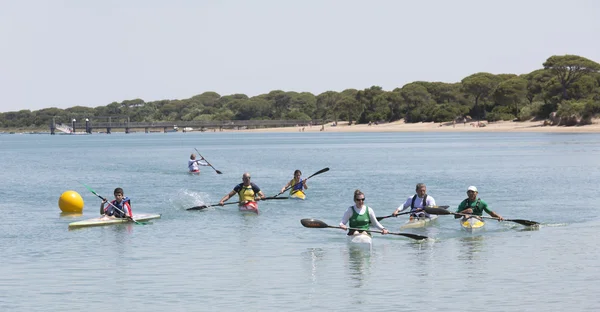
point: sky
(65, 53)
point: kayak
(418, 222)
(362, 240)
(249, 207)
(106, 220)
(471, 224)
(298, 195)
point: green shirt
(361, 222)
(476, 211)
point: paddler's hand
(395, 213)
(384, 231)
(221, 203)
(344, 227)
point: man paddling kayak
(417, 202)
(193, 164)
(248, 194)
(474, 205)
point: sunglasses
(359, 199)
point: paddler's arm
(261, 195)
(102, 211)
(226, 198)
(285, 186)
(304, 183)
(346, 218)
(376, 223)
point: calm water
(221, 260)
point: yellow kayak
(471, 224)
(298, 195)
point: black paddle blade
(319, 172)
(381, 218)
(218, 171)
(197, 207)
(313, 223)
(413, 236)
(437, 211)
(524, 222)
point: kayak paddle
(314, 174)
(218, 172)
(438, 211)
(230, 203)
(403, 213)
(318, 224)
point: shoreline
(444, 127)
(398, 126)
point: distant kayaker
(247, 192)
(119, 208)
(474, 205)
(360, 216)
(296, 183)
(193, 164)
(417, 202)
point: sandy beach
(400, 126)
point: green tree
(570, 68)
(479, 86)
(511, 93)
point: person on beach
(193, 164)
(475, 206)
(417, 202)
(118, 208)
(296, 183)
(247, 192)
(360, 216)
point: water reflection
(471, 247)
(358, 264)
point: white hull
(360, 240)
(106, 220)
(413, 223)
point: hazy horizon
(70, 53)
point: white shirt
(193, 164)
(362, 211)
(418, 203)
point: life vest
(468, 205)
(124, 211)
(424, 204)
(361, 222)
(247, 193)
(296, 185)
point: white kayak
(106, 220)
(471, 224)
(420, 222)
(362, 240)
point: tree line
(567, 88)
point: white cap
(472, 188)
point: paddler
(296, 183)
(417, 202)
(119, 208)
(360, 216)
(247, 191)
(193, 164)
(475, 206)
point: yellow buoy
(70, 202)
